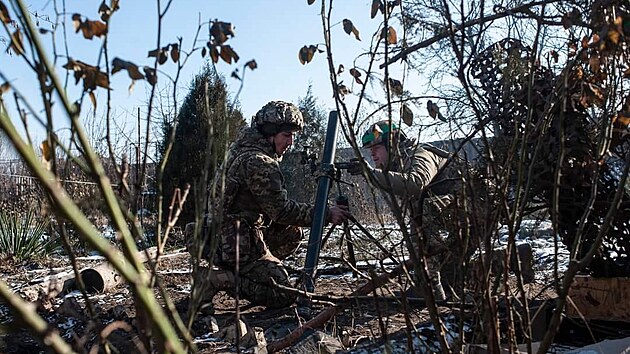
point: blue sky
(270, 32)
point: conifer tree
(207, 107)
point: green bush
(25, 237)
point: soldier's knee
(283, 240)
(281, 300)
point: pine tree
(205, 108)
(314, 130)
(299, 182)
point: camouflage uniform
(258, 212)
(427, 192)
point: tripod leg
(330, 231)
(350, 245)
(375, 241)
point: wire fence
(20, 191)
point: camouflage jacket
(415, 171)
(255, 195)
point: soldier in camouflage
(414, 172)
(258, 215)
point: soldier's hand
(355, 166)
(339, 214)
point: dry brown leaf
(235, 74)
(163, 56)
(132, 69)
(395, 86)
(47, 153)
(251, 64)
(134, 72)
(204, 51)
(160, 53)
(16, 42)
(4, 88)
(221, 32)
(343, 90)
(303, 55)
(92, 99)
(90, 28)
(175, 52)
(104, 11)
(340, 69)
(391, 36)
(432, 109)
(91, 75)
(76, 22)
(355, 73)
(227, 54)
(310, 2)
(150, 75)
(4, 14)
(406, 115)
(100, 79)
(306, 54)
(349, 28)
(376, 6)
(392, 4)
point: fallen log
(49, 287)
(328, 313)
(101, 278)
(104, 277)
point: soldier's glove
(356, 168)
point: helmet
(379, 133)
(278, 116)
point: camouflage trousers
(426, 235)
(258, 279)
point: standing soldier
(258, 213)
(412, 172)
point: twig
(329, 312)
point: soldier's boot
(217, 280)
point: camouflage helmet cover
(278, 116)
(379, 133)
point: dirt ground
(364, 322)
